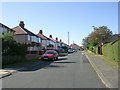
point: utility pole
(68, 38)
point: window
(35, 39)
(39, 40)
(29, 37)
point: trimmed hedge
(112, 50)
(12, 59)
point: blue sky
(58, 19)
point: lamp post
(68, 38)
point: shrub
(112, 50)
(12, 52)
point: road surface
(72, 71)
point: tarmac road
(72, 71)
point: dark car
(50, 55)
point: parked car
(70, 51)
(50, 55)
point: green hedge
(112, 50)
(93, 49)
(6, 60)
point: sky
(59, 18)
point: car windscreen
(49, 52)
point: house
(44, 39)
(47, 43)
(75, 47)
(52, 43)
(4, 28)
(58, 44)
(108, 40)
(111, 38)
(63, 48)
(23, 35)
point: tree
(99, 34)
(11, 47)
(85, 42)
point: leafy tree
(11, 47)
(96, 37)
(99, 34)
(85, 42)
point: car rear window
(49, 52)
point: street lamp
(68, 38)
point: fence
(12, 59)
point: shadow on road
(42, 64)
(64, 62)
(53, 66)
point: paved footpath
(8, 71)
(107, 72)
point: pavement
(107, 72)
(8, 71)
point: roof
(58, 41)
(52, 39)
(30, 33)
(74, 45)
(20, 30)
(2, 25)
(117, 35)
(42, 36)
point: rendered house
(111, 38)
(58, 44)
(4, 28)
(52, 43)
(23, 35)
(45, 40)
(75, 47)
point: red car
(50, 55)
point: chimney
(60, 40)
(41, 32)
(22, 24)
(50, 36)
(56, 39)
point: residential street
(72, 71)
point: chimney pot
(41, 32)
(56, 38)
(50, 36)
(22, 24)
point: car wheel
(56, 58)
(42, 59)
